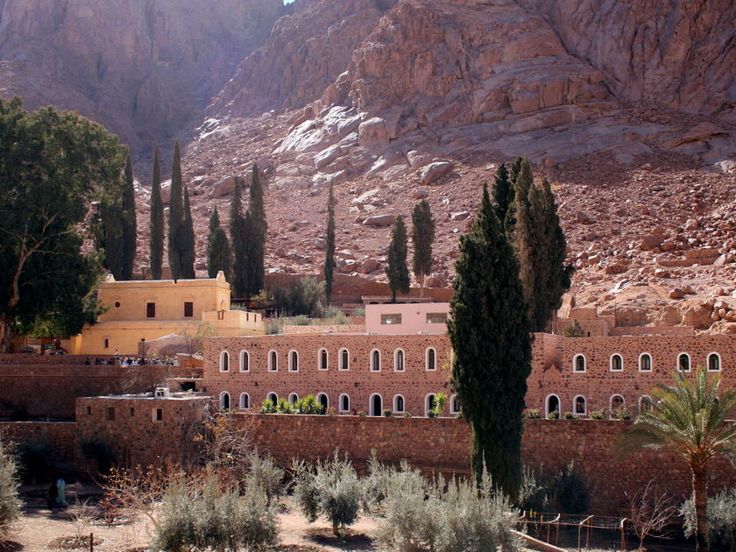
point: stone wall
(61, 436)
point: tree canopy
(53, 166)
(396, 270)
(329, 268)
(422, 235)
(157, 220)
(218, 248)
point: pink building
(421, 318)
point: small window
(579, 406)
(552, 404)
(107, 343)
(428, 404)
(398, 404)
(376, 405)
(390, 319)
(89, 411)
(110, 413)
(431, 363)
(323, 401)
(344, 360)
(436, 318)
(344, 403)
(645, 362)
(224, 400)
(683, 362)
(714, 362)
(273, 361)
(578, 363)
(244, 361)
(188, 309)
(117, 304)
(455, 405)
(375, 360)
(273, 397)
(224, 361)
(399, 360)
(158, 414)
(150, 310)
(323, 359)
(293, 361)
(617, 403)
(293, 398)
(645, 403)
(617, 363)
(244, 401)
(132, 412)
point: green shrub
(387, 413)
(309, 405)
(301, 320)
(568, 491)
(438, 405)
(264, 474)
(554, 415)
(407, 414)
(533, 414)
(274, 326)
(284, 407)
(532, 494)
(574, 330)
(621, 414)
(721, 514)
(599, 414)
(302, 296)
(569, 416)
(35, 461)
(9, 502)
(330, 488)
(100, 452)
(267, 407)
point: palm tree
(689, 418)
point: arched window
(455, 405)
(244, 401)
(224, 400)
(324, 359)
(273, 361)
(578, 363)
(375, 360)
(431, 359)
(399, 360)
(398, 404)
(579, 406)
(617, 403)
(344, 360)
(645, 362)
(324, 401)
(645, 403)
(293, 361)
(551, 404)
(244, 361)
(293, 398)
(224, 361)
(714, 362)
(344, 403)
(428, 404)
(376, 405)
(273, 397)
(683, 362)
(617, 363)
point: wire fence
(581, 531)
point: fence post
(91, 542)
(623, 535)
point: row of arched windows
(580, 408)
(375, 403)
(323, 360)
(616, 362)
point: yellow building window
(188, 309)
(150, 310)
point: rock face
(144, 69)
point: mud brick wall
(60, 435)
(359, 382)
(130, 426)
(443, 445)
(49, 390)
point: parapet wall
(60, 436)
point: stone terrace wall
(444, 445)
(60, 435)
(55, 360)
(49, 390)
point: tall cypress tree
(111, 239)
(503, 192)
(330, 250)
(218, 248)
(186, 240)
(539, 306)
(522, 233)
(129, 224)
(422, 235)
(556, 248)
(522, 181)
(237, 239)
(515, 170)
(176, 216)
(255, 236)
(157, 220)
(397, 271)
(492, 348)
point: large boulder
(434, 171)
(223, 188)
(379, 221)
(373, 132)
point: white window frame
(610, 362)
(610, 401)
(240, 401)
(454, 410)
(293, 398)
(651, 362)
(396, 357)
(273, 367)
(229, 400)
(293, 353)
(326, 397)
(641, 399)
(426, 359)
(427, 404)
(585, 364)
(689, 362)
(707, 362)
(319, 359)
(244, 355)
(268, 397)
(370, 405)
(546, 404)
(340, 401)
(340, 365)
(393, 406)
(380, 360)
(224, 354)
(574, 406)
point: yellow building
(143, 310)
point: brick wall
(49, 390)
(444, 445)
(60, 435)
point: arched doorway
(376, 406)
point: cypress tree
(522, 181)
(255, 236)
(515, 169)
(539, 302)
(186, 240)
(218, 248)
(556, 247)
(503, 192)
(521, 232)
(492, 348)
(176, 216)
(128, 223)
(237, 239)
(397, 271)
(422, 235)
(157, 220)
(111, 239)
(330, 250)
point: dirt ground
(42, 529)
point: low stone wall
(444, 445)
(61, 436)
